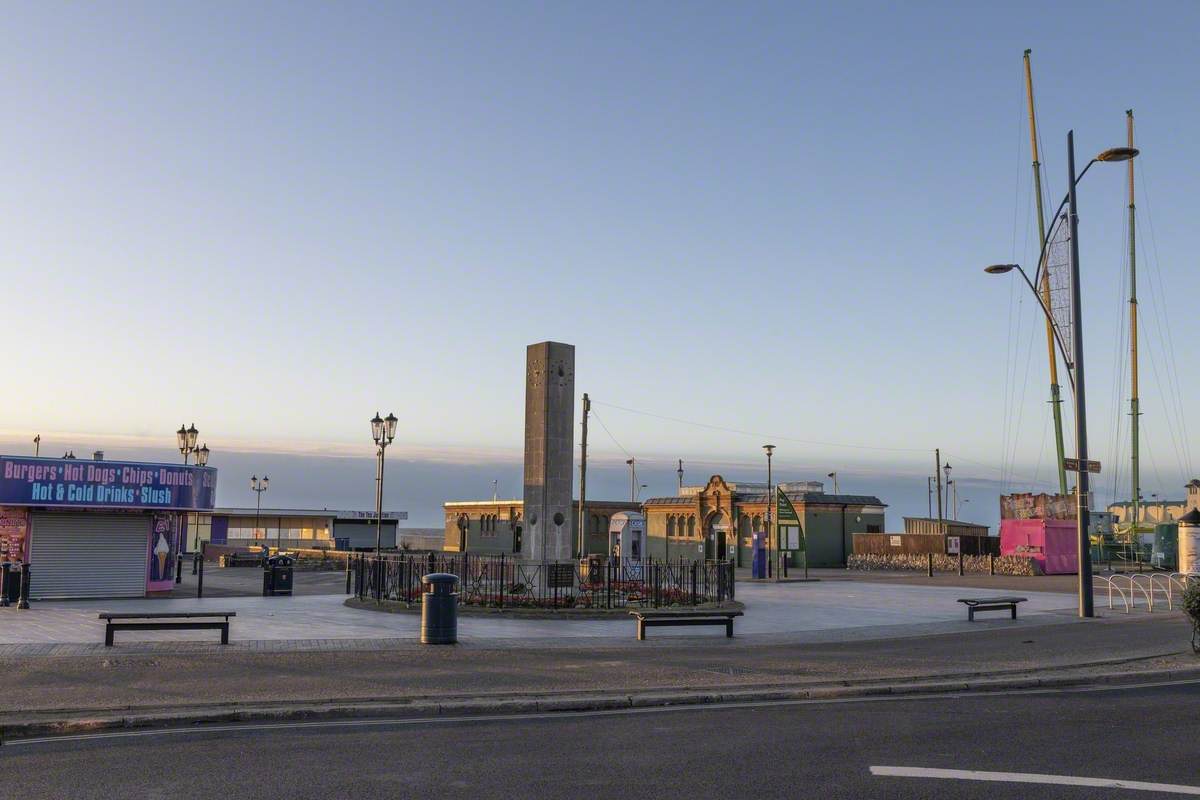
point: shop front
(98, 528)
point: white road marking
(1032, 777)
(202, 728)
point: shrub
(1191, 601)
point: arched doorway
(716, 537)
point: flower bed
(915, 562)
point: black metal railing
(500, 581)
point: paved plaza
(826, 611)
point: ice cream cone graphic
(161, 551)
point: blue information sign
(74, 483)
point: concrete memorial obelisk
(549, 451)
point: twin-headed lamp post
(186, 439)
(1075, 360)
(383, 431)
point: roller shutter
(88, 555)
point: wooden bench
(170, 620)
(647, 617)
(974, 604)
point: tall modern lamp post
(383, 431)
(632, 464)
(770, 450)
(1074, 361)
(258, 487)
(946, 469)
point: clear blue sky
(273, 219)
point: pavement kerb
(602, 702)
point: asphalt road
(779, 750)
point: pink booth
(1050, 542)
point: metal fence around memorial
(499, 581)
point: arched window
(595, 523)
(757, 523)
(670, 526)
(604, 523)
(692, 525)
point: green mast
(1055, 397)
(1134, 411)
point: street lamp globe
(391, 421)
(377, 428)
(1118, 154)
(253, 481)
(266, 482)
(181, 438)
(192, 433)
(202, 456)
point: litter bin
(277, 576)
(439, 609)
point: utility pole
(37, 447)
(587, 406)
(679, 472)
(937, 472)
(1082, 501)
(835, 481)
(632, 480)
(1055, 397)
(929, 493)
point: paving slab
(823, 611)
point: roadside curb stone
(418, 709)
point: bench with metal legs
(161, 621)
(974, 604)
(649, 617)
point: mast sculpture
(1134, 412)
(1055, 398)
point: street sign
(786, 517)
(953, 545)
(1072, 465)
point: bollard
(960, 562)
(929, 570)
(348, 573)
(4, 602)
(439, 609)
(200, 579)
(991, 564)
(179, 567)
(23, 603)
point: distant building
(292, 528)
(943, 527)
(718, 519)
(498, 526)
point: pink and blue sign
(73, 483)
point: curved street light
(1075, 364)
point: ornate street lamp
(185, 438)
(383, 431)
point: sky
(754, 221)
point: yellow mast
(1055, 399)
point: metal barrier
(1112, 585)
(503, 582)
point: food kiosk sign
(73, 483)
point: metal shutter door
(88, 555)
